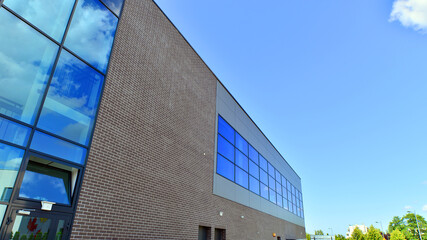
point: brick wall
(149, 173)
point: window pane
(270, 170)
(241, 177)
(263, 177)
(10, 161)
(253, 169)
(241, 144)
(262, 163)
(277, 175)
(278, 188)
(241, 160)
(272, 197)
(14, 132)
(271, 182)
(2, 212)
(224, 167)
(50, 16)
(91, 33)
(46, 183)
(279, 200)
(114, 5)
(285, 204)
(253, 185)
(26, 59)
(56, 147)
(225, 130)
(225, 148)
(284, 190)
(253, 154)
(264, 191)
(70, 107)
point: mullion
(105, 5)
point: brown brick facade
(149, 173)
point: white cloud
(425, 182)
(407, 207)
(425, 208)
(410, 13)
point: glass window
(272, 197)
(241, 144)
(289, 185)
(278, 188)
(277, 175)
(284, 190)
(253, 169)
(279, 200)
(263, 177)
(14, 132)
(262, 162)
(225, 130)
(284, 181)
(27, 227)
(10, 162)
(50, 16)
(264, 191)
(70, 106)
(46, 183)
(56, 147)
(2, 212)
(26, 60)
(114, 5)
(241, 160)
(225, 148)
(91, 33)
(225, 168)
(271, 182)
(253, 185)
(253, 154)
(241, 177)
(270, 170)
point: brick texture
(149, 173)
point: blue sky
(339, 87)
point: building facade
(112, 127)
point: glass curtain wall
(53, 61)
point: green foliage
(307, 236)
(407, 225)
(397, 235)
(339, 237)
(357, 235)
(318, 232)
(373, 234)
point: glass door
(26, 224)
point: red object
(32, 225)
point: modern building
(351, 229)
(112, 127)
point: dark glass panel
(241, 144)
(45, 183)
(91, 33)
(14, 132)
(241, 177)
(271, 182)
(225, 130)
(225, 148)
(264, 191)
(114, 5)
(272, 196)
(271, 170)
(26, 60)
(253, 169)
(241, 160)
(263, 177)
(254, 185)
(73, 97)
(10, 162)
(225, 168)
(59, 230)
(253, 154)
(56, 147)
(279, 200)
(50, 16)
(262, 162)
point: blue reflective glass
(272, 196)
(59, 148)
(289, 196)
(10, 162)
(285, 204)
(253, 154)
(14, 132)
(289, 185)
(225, 130)
(26, 60)
(50, 16)
(241, 177)
(262, 162)
(46, 183)
(241, 144)
(91, 33)
(264, 191)
(279, 200)
(253, 185)
(277, 175)
(253, 169)
(278, 188)
(270, 170)
(263, 176)
(283, 181)
(284, 190)
(271, 182)
(73, 97)
(224, 167)
(114, 5)
(225, 148)
(241, 160)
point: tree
(407, 225)
(307, 236)
(318, 232)
(373, 234)
(357, 235)
(397, 235)
(339, 237)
